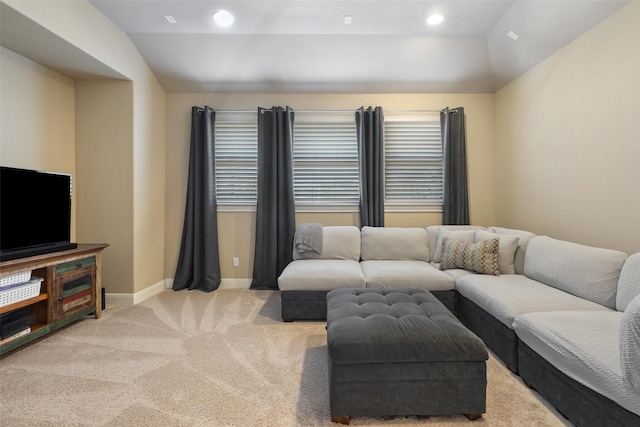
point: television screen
(35, 212)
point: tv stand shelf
(71, 289)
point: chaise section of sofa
(559, 276)
(588, 363)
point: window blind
(236, 161)
(413, 162)
(326, 162)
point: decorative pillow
(480, 257)
(523, 240)
(630, 343)
(467, 236)
(506, 249)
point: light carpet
(190, 358)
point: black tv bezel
(45, 248)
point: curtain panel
(275, 211)
(370, 134)
(199, 261)
(455, 203)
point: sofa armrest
(630, 343)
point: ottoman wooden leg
(473, 417)
(341, 420)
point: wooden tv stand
(63, 298)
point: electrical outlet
(236, 262)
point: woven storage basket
(15, 278)
(16, 293)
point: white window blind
(236, 161)
(325, 155)
(413, 161)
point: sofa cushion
(629, 283)
(523, 240)
(321, 274)
(455, 272)
(630, 343)
(338, 242)
(394, 243)
(480, 257)
(506, 249)
(405, 274)
(584, 271)
(583, 346)
(507, 296)
(434, 230)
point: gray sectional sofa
(565, 316)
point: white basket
(15, 278)
(17, 293)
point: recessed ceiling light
(170, 19)
(435, 19)
(348, 19)
(223, 18)
(513, 35)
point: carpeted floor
(195, 359)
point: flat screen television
(35, 213)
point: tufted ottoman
(401, 352)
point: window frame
(344, 119)
(352, 206)
(390, 205)
(246, 119)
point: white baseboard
(235, 284)
(138, 297)
(224, 284)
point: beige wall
(568, 140)
(128, 171)
(105, 175)
(236, 229)
(149, 164)
(37, 119)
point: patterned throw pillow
(481, 257)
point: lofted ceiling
(305, 45)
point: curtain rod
(328, 111)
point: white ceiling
(304, 45)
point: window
(413, 163)
(325, 160)
(236, 158)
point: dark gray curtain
(199, 261)
(455, 204)
(370, 134)
(275, 212)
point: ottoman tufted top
(396, 326)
